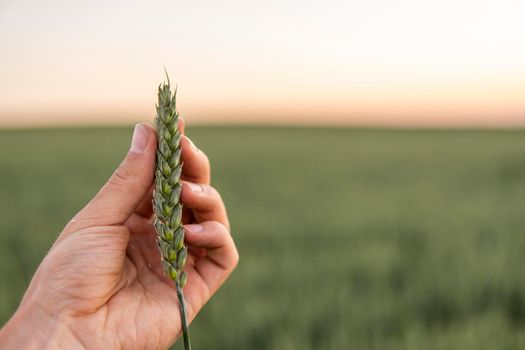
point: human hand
(101, 285)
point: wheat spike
(166, 203)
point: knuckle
(231, 252)
(212, 192)
(121, 176)
(206, 164)
(219, 228)
(205, 159)
(235, 257)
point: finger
(205, 202)
(222, 255)
(196, 166)
(126, 188)
(182, 125)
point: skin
(101, 285)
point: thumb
(128, 185)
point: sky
(374, 62)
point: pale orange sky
(377, 62)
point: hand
(101, 285)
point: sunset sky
(373, 62)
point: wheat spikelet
(166, 204)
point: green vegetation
(349, 239)
(166, 197)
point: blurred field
(349, 239)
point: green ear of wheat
(166, 195)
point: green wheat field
(349, 239)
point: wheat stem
(182, 305)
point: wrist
(32, 328)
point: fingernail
(140, 139)
(194, 228)
(192, 144)
(194, 187)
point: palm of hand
(125, 292)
